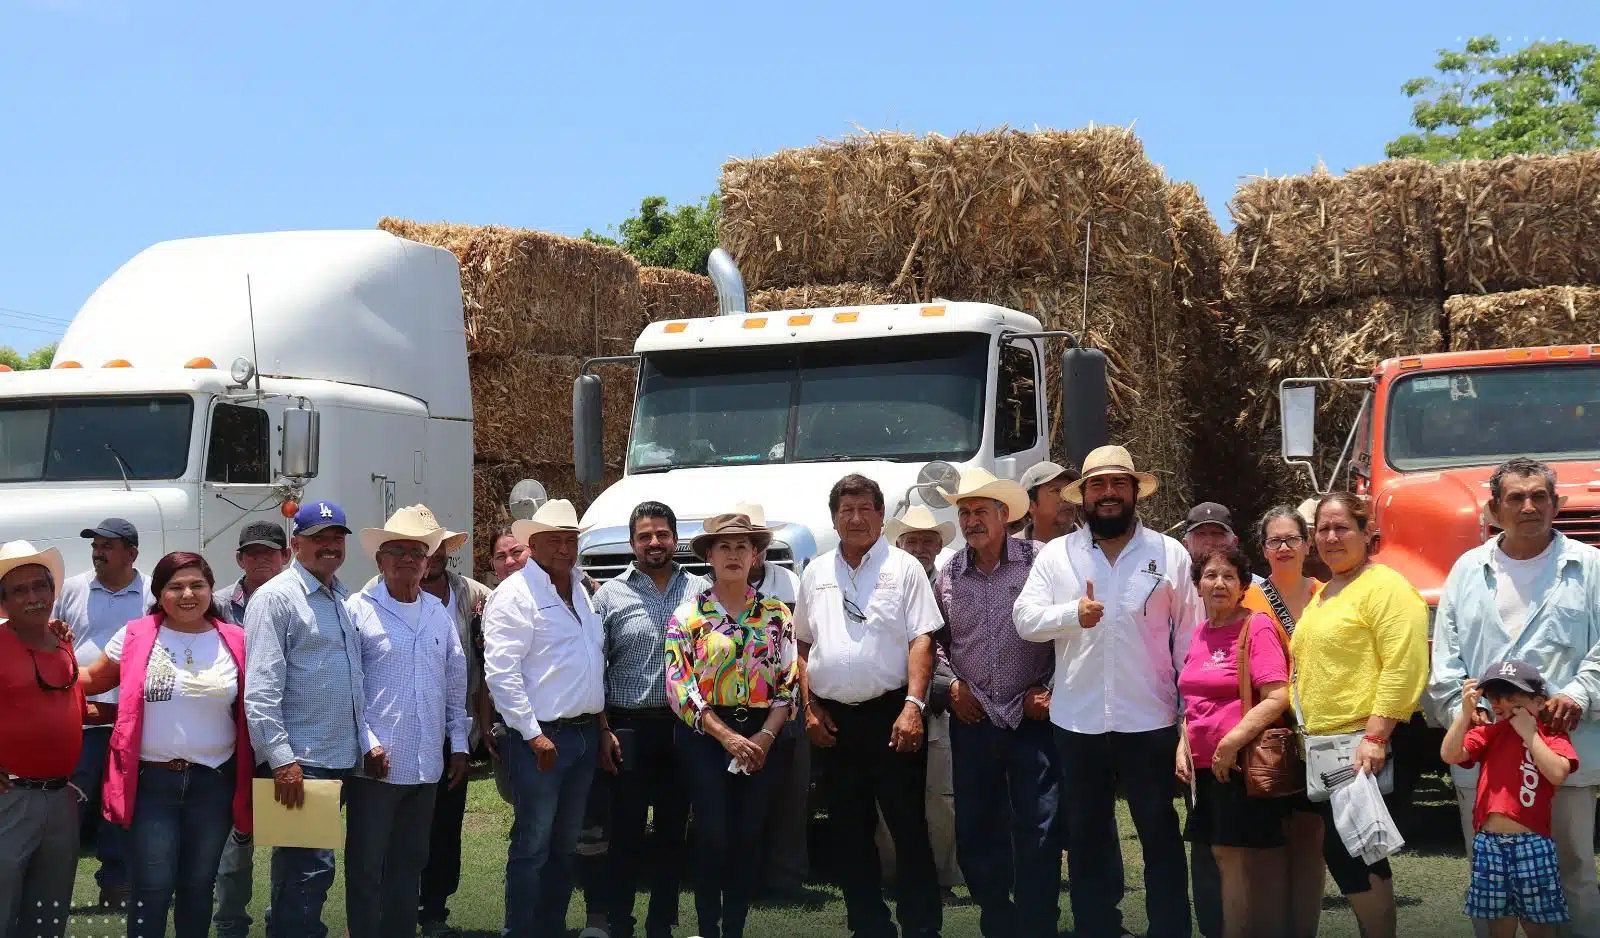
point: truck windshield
(1486, 416)
(909, 399)
(81, 439)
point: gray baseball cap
(1209, 513)
(119, 528)
(1041, 472)
(264, 534)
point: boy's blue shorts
(1516, 876)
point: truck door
(1019, 441)
(238, 478)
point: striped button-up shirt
(636, 615)
(96, 614)
(415, 675)
(303, 694)
(983, 647)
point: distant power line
(39, 317)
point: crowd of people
(974, 715)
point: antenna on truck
(255, 354)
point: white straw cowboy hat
(554, 515)
(1111, 461)
(412, 523)
(753, 512)
(14, 554)
(919, 518)
(733, 524)
(981, 483)
(452, 540)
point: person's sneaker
(116, 898)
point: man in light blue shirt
(96, 605)
(1532, 594)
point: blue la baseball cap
(317, 516)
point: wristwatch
(922, 705)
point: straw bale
(1197, 246)
(522, 408)
(676, 294)
(1524, 318)
(1521, 222)
(833, 213)
(491, 493)
(1319, 238)
(524, 291)
(823, 296)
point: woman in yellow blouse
(731, 676)
(1361, 662)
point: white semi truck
(775, 407)
(211, 381)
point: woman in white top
(178, 778)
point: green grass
(1430, 877)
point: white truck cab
(211, 380)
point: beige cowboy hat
(14, 554)
(452, 540)
(727, 525)
(1111, 461)
(554, 515)
(412, 523)
(981, 483)
(919, 518)
(753, 511)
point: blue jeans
(1001, 850)
(181, 820)
(301, 878)
(235, 883)
(90, 777)
(544, 835)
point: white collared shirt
(540, 660)
(1122, 675)
(852, 662)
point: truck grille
(604, 564)
(1580, 524)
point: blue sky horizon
(137, 122)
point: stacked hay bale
(1522, 318)
(1002, 217)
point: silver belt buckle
(741, 714)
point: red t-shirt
(1509, 782)
(43, 729)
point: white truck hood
(53, 516)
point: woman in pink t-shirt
(1241, 831)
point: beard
(1105, 527)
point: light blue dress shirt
(96, 614)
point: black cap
(119, 528)
(1519, 674)
(264, 533)
(1209, 513)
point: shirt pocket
(1146, 595)
(1568, 611)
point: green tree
(35, 360)
(1544, 98)
(681, 237)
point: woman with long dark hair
(179, 774)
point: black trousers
(863, 775)
(650, 777)
(441, 877)
(1092, 765)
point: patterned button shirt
(636, 615)
(983, 647)
(715, 659)
(233, 601)
(303, 692)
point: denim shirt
(1561, 639)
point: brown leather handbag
(1271, 763)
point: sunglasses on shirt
(46, 685)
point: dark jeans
(301, 877)
(729, 811)
(788, 866)
(863, 775)
(1206, 880)
(385, 848)
(1092, 765)
(89, 777)
(1002, 850)
(544, 834)
(650, 778)
(441, 877)
(235, 883)
(181, 820)
(594, 846)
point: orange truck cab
(1429, 431)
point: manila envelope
(315, 824)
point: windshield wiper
(848, 457)
(122, 465)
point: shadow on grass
(809, 898)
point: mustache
(976, 528)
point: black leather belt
(583, 720)
(40, 784)
(740, 714)
(171, 765)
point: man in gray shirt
(303, 701)
(95, 606)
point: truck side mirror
(1298, 412)
(588, 451)
(1083, 403)
(302, 436)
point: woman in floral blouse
(731, 676)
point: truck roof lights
(846, 317)
(200, 362)
(4, 369)
(118, 363)
(931, 311)
(755, 322)
(1409, 363)
(1519, 354)
(68, 364)
(800, 320)
(1559, 351)
(673, 328)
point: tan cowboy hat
(1111, 461)
(452, 540)
(981, 483)
(733, 523)
(919, 518)
(554, 515)
(14, 554)
(412, 523)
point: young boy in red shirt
(1515, 875)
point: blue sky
(127, 122)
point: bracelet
(918, 702)
(1375, 740)
(766, 732)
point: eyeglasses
(1279, 543)
(46, 685)
(405, 553)
(853, 612)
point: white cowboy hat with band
(732, 524)
(981, 483)
(918, 518)
(412, 523)
(14, 554)
(554, 515)
(1111, 461)
(452, 540)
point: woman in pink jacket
(179, 771)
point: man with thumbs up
(1116, 599)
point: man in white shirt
(544, 664)
(1117, 601)
(864, 621)
(415, 679)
